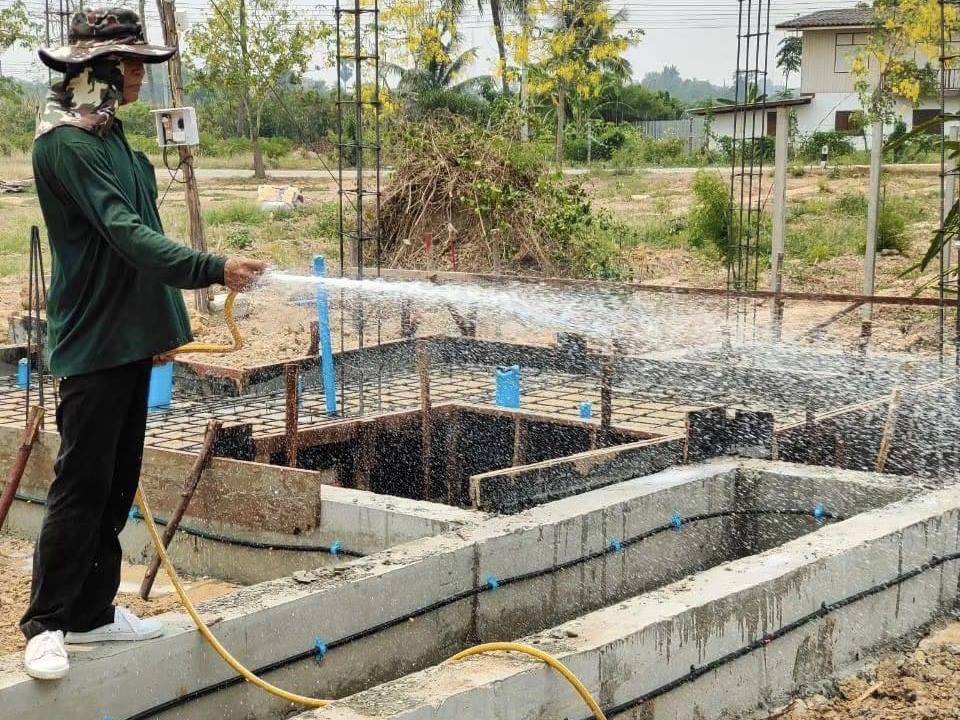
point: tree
(16, 27)
(244, 50)
(517, 8)
(789, 56)
(579, 42)
(896, 61)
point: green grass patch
(242, 212)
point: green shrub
(239, 239)
(838, 145)
(762, 149)
(137, 119)
(796, 170)
(241, 212)
(892, 230)
(708, 223)
(276, 147)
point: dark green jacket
(113, 295)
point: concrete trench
(497, 578)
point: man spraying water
(114, 305)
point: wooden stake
(519, 441)
(198, 239)
(407, 327)
(314, 349)
(367, 448)
(426, 426)
(189, 488)
(889, 427)
(30, 434)
(291, 374)
(454, 489)
(606, 399)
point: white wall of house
(826, 77)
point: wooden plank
(290, 376)
(606, 400)
(426, 427)
(453, 469)
(519, 440)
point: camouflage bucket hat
(100, 32)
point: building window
(847, 47)
(842, 121)
(922, 117)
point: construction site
(697, 500)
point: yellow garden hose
(539, 655)
(201, 347)
(241, 670)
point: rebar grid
(649, 407)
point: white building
(828, 98)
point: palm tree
(438, 71)
(517, 8)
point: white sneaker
(125, 626)
(46, 657)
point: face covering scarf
(87, 99)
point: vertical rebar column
(358, 222)
(746, 172)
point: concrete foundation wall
(274, 620)
(515, 489)
(636, 648)
(245, 502)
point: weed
(823, 187)
(239, 239)
(853, 204)
(796, 170)
(242, 212)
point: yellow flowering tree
(578, 43)
(901, 56)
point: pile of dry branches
(468, 198)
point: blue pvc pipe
(23, 373)
(326, 348)
(161, 386)
(507, 393)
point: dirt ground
(15, 564)
(923, 684)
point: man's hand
(240, 273)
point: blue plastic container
(23, 373)
(507, 392)
(586, 410)
(161, 387)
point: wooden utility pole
(198, 238)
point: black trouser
(76, 564)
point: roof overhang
(753, 107)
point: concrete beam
(630, 655)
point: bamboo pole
(426, 426)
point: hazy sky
(698, 36)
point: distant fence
(692, 130)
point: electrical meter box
(176, 126)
